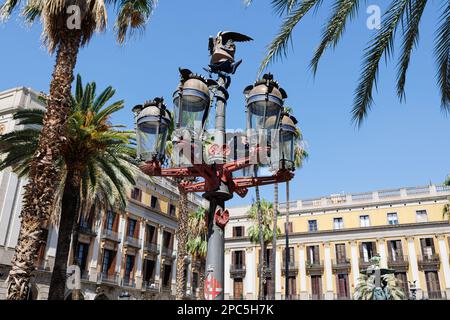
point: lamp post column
(215, 278)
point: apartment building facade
(132, 252)
(333, 238)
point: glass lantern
(288, 138)
(152, 126)
(191, 105)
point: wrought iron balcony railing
(292, 268)
(237, 271)
(429, 262)
(341, 265)
(111, 235)
(150, 285)
(152, 248)
(314, 267)
(108, 278)
(129, 282)
(133, 242)
(167, 252)
(398, 262)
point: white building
(132, 251)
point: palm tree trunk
(44, 174)
(261, 241)
(75, 231)
(274, 237)
(69, 213)
(202, 279)
(181, 248)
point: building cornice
(369, 232)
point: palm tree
(407, 13)
(97, 160)
(365, 287)
(66, 41)
(197, 244)
(262, 212)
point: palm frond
(132, 16)
(410, 39)
(442, 53)
(381, 44)
(342, 11)
(278, 47)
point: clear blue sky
(399, 144)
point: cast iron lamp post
(193, 99)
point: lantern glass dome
(152, 129)
(191, 105)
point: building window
(136, 194)
(129, 266)
(238, 231)
(421, 216)
(172, 210)
(392, 218)
(395, 250)
(313, 256)
(289, 227)
(427, 246)
(367, 251)
(364, 221)
(82, 254)
(108, 256)
(338, 223)
(153, 201)
(238, 258)
(131, 227)
(110, 217)
(312, 225)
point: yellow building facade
(333, 238)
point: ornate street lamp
(217, 181)
(152, 121)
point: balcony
(111, 235)
(398, 263)
(132, 242)
(342, 265)
(429, 262)
(292, 268)
(150, 286)
(237, 271)
(152, 248)
(314, 268)
(84, 228)
(128, 282)
(434, 295)
(106, 278)
(167, 253)
(166, 288)
(267, 270)
(364, 263)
